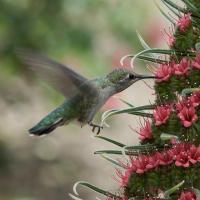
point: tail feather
(44, 129)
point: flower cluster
(173, 164)
(168, 156)
(176, 114)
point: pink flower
(184, 23)
(190, 195)
(124, 178)
(178, 148)
(165, 158)
(173, 66)
(195, 98)
(162, 113)
(194, 154)
(183, 159)
(164, 73)
(114, 198)
(187, 116)
(171, 41)
(183, 67)
(197, 63)
(141, 163)
(153, 161)
(145, 131)
(185, 153)
(184, 103)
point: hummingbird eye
(131, 76)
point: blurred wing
(60, 77)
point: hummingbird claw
(96, 126)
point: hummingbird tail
(43, 129)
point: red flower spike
(162, 113)
(197, 63)
(187, 116)
(184, 23)
(190, 195)
(183, 67)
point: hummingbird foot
(96, 126)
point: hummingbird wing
(60, 77)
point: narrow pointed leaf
(173, 10)
(124, 101)
(141, 114)
(144, 44)
(174, 5)
(107, 113)
(168, 192)
(166, 52)
(113, 161)
(188, 90)
(166, 15)
(73, 197)
(109, 140)
(197, 192)
(144, 58)
(183, 10)
(192, 7)
(94, 188)
(114, 152)
(133, 150)
(166, 136)
(131, 110)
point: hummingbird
(84, 97)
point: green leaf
(124, 101)
(173, 10)
(191, 6)
(132, 110)
(94, 188)
(73, 197)
(168, 192)
(144, 44)
(109, 140)
(141, 114)
(165, 51)
(174, 5)
(166, 136)
(115, 152)
(197, 192)
(188, 90)
(113, 161)
(144, 58)
(169, 18)
(133, 150)
(144, 147)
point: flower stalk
(166, 164)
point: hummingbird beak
(145, 77)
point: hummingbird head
(123, 78)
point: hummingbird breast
(84, 104)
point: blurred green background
(90, 37)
